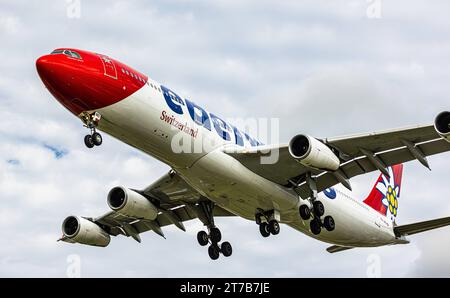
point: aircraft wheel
(202, 238)
(305, 212)
(215, 235)
(226, 249)
(264, 230)
(88, 141)
(315, 227)
(328, 223)
(97, 139)
(319, 209)
(213, 251)
(274, 227)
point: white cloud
(9, 24)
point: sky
(324, 68)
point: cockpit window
(67, 53)
(75, 55)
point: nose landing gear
(91, 121)
(94, 139)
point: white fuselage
(145, 121)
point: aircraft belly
(354, 227)
(226, 181)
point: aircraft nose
(58, 77)
(84, 81)
(46, 68)
(69, 77)
(42, 65)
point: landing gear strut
(268, 222)
(316, 212)
(94, 138)
(213, 236)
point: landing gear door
(109, 66)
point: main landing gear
(268, 223)
(316, 210)
(91, 122)
(213, 236)
(316, 213)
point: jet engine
(83, 231)
(442, 125)
(313, 153)
(130, 203)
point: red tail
(386, 192)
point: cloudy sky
(324, 68)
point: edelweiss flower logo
(390, 193)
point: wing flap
(383, 140)
(117, 224)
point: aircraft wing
(177, 203)
(420, 227)
(356, 152)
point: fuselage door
(109, 66)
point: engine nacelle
(442, 125)
(313, 153)
(129, 203)
(83, 231)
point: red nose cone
(85, 81)
(42, 66)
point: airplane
(307, 186)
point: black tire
(319, 209)
(314, 225)
(202, 238)
(274, 227)
(88, 142)
(264, 230)
(215, 235)
(97, 139)
(305, 212)
(328, 223)
(226, 249)
(213, 251)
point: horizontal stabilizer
(420, 227)
(337, 248)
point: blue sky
(324, 68)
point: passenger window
(57, 52)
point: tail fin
(386, 192)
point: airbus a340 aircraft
(305, 187)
